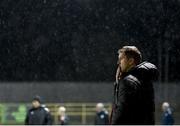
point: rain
(76, 41)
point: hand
(118, 74)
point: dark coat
(101, 118)
(167, 118)
(38, 116)
(134, 96)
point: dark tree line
(77, 40)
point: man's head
(129, 56)
(165, 106)
(62, 110)
(99, 107)
(36, 102)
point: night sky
(77, 40)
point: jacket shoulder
(31, 109)
(131, 81)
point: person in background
(102, 117)
(63, 118)
(38, 114)
(167, 117)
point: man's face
(123, 62)
(35, 104)
(164, 107)
(98, 109)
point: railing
(79, 113)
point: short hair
(100, 105)
(131, 52)
(165, 104)
(62, 109)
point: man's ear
(131, 61)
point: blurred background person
(102, 117)
(167, 117)
(38, 114)
(63, 118)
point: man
(63, 118)
(133, 90)
(167, 118)
(38, 114)
(101, 117)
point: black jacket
(101, 118)
(134, 96)
(38, 116)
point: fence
(77, 94)
(79, 113)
